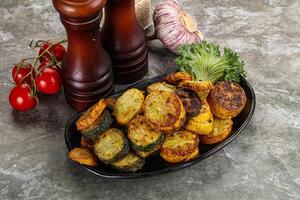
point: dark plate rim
(176, 167)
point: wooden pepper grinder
(86, 68)
(124, 40)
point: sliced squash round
(227, 99)
(130, 163)
(89, 117)
(141, 136)
(164, 111)
(202, 123)
(99, 126)
(179, 146)
(111, 146)
(190, 100)
(161, 86)
(221, 130)
(128, 105)
(154, 151)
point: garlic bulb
(174, 27)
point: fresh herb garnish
(206, 62)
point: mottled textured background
(263, 163)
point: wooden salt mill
(124, 40)
(86, 68)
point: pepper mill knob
(86, 68)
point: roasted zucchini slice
(99, 126)
(161, 86)
(197, 85)
(141, 136)
(177, 77)
(179, 146)
(164, 111)
(83, 156)
(128, 105)
(227, 99)
(145, 154)
(89, 117)
(190, 100)
(111, 146)
(221, 130)
(203, 122)
(130, 163)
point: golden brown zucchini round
(203, 122)
(141, 136)
(89, 117)
(190, 100)
(128, 105)
(111, 146)
(153, 151)
(221, 130)
(130, 163)
(164, 111)
(227, 99)
(180, 146)
(99, 126)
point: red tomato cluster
(44, 78)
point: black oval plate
(156, 165)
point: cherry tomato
(48, 81)
(58, 51)
(20, 71)
(20, 98)
(47, 64)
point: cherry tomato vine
(41, 74)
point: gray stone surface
(263, 163)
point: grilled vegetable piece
(203, 122)
(89, 117)
(190, 100)
(111, 146)
(156, 148)
(197, 85)
(130, 163)
(83, 156)
(99, 126)
(87, 143)
(227, 99)
(141, 136)
(161, 86)
(221, 130)
(180, 146)
(128, 105)
(164, 111)
(177, 77)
